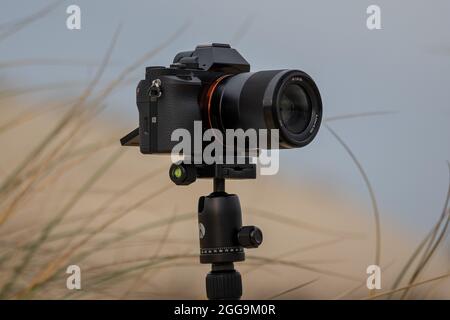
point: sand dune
(134, 234)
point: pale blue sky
(405, 67)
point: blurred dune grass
(69, 194)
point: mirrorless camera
(213, 85)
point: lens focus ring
(287, 100)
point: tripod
(222, 236)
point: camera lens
(295, 108)
(287, 100)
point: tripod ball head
(219, 217)
(222, 236)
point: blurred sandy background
(371, 189)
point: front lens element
(295, 108)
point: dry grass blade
(51, 268)
(53, 173)
(16, 92)
(74, 156)
(297, 250)
(37, 173)
(115, 196)
(138, 281)
(43, 164)
(105, 266)
(84, 153)
(429, 254)
(113, 84)
(39, 149)
(4, 188)
(72, 113)
(302, 224)
(29, 116)
(54, 222)
(133, 232)
(304, 267)
(15, 27)
(376, 213)
(163, 265)
(430, 239)
(349, 291)
(132, 67)
(411, 260)
(359, 286)
(116, 274)
(444, 214)
(45, 62)
(242, 30)
(359, 115)
(302, 285)
(89, 114)
(407, 287)
(127, 234)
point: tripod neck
(219, 184)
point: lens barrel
(287, 100)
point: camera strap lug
(155, 89)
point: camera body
(213, 86)
(174, 98)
